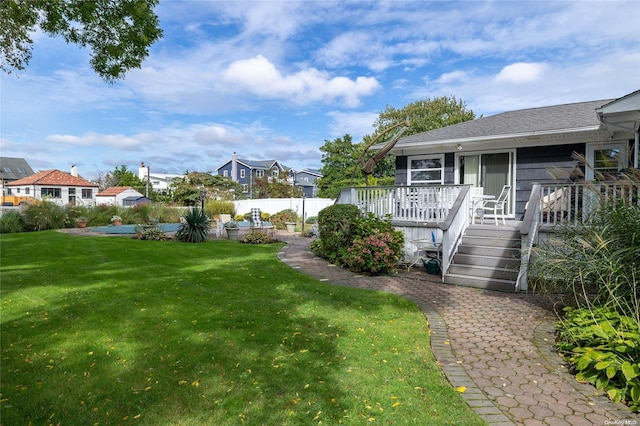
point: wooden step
(481, 282)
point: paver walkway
(497, 345)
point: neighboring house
(307, 180)
(246, 171)
(121, 196)
(59, 187)
(12, 169)
(160, 182)
(523, 147)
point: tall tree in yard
(118, 32)
(339, 157)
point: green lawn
(111, 330)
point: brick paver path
(497, 345)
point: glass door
(491, 171)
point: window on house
(8, 191)
(605, 160)
(50, 192)
(225, 173)
(426, 169)
(17, 190)
(245, 188)
(87, 193)
(26, 191)
(7, 169)
(275, 173)
(259, 173)
(22, 171)
(242, 174)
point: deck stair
(488, 257)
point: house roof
(53, 178)
(113, 191)
(263, 164)
(529, 122)
(317, 173)
(622, 113)
(12, 168)
(257, 164)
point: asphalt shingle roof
(12, 168)
(525, 121)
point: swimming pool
(131, 229)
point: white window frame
(425, 157)
(51, 192)
(591, 149)
(245, 188)
(225, 173)
(242, 173)
(259, 173)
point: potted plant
(291, 226)
(116, 220)
(232, 229)
(81, 222)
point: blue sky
(275, 79)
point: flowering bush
(258, 236)
(375, 254)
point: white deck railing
(403, 203)
(573, 203)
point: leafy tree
(186, 190)
(338, 160)
(122, 176)
(275, 187)
(424, 115)
(119, 32)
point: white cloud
(357, 124)
(521, 73)
(96, 139)
(259, 76)
(450, 77)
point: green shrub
(376, 248)
(257, 236)
(336, 231)
(376, 254)
(603, 348)
(11, 221)
(195, 228)
(265, 216)
(279, 219)
(46, 215)
(150, 232)
(311, 220)
(595, 263)
(215, 208)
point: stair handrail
(528, 235)
(454, 226)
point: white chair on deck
(498, 205)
